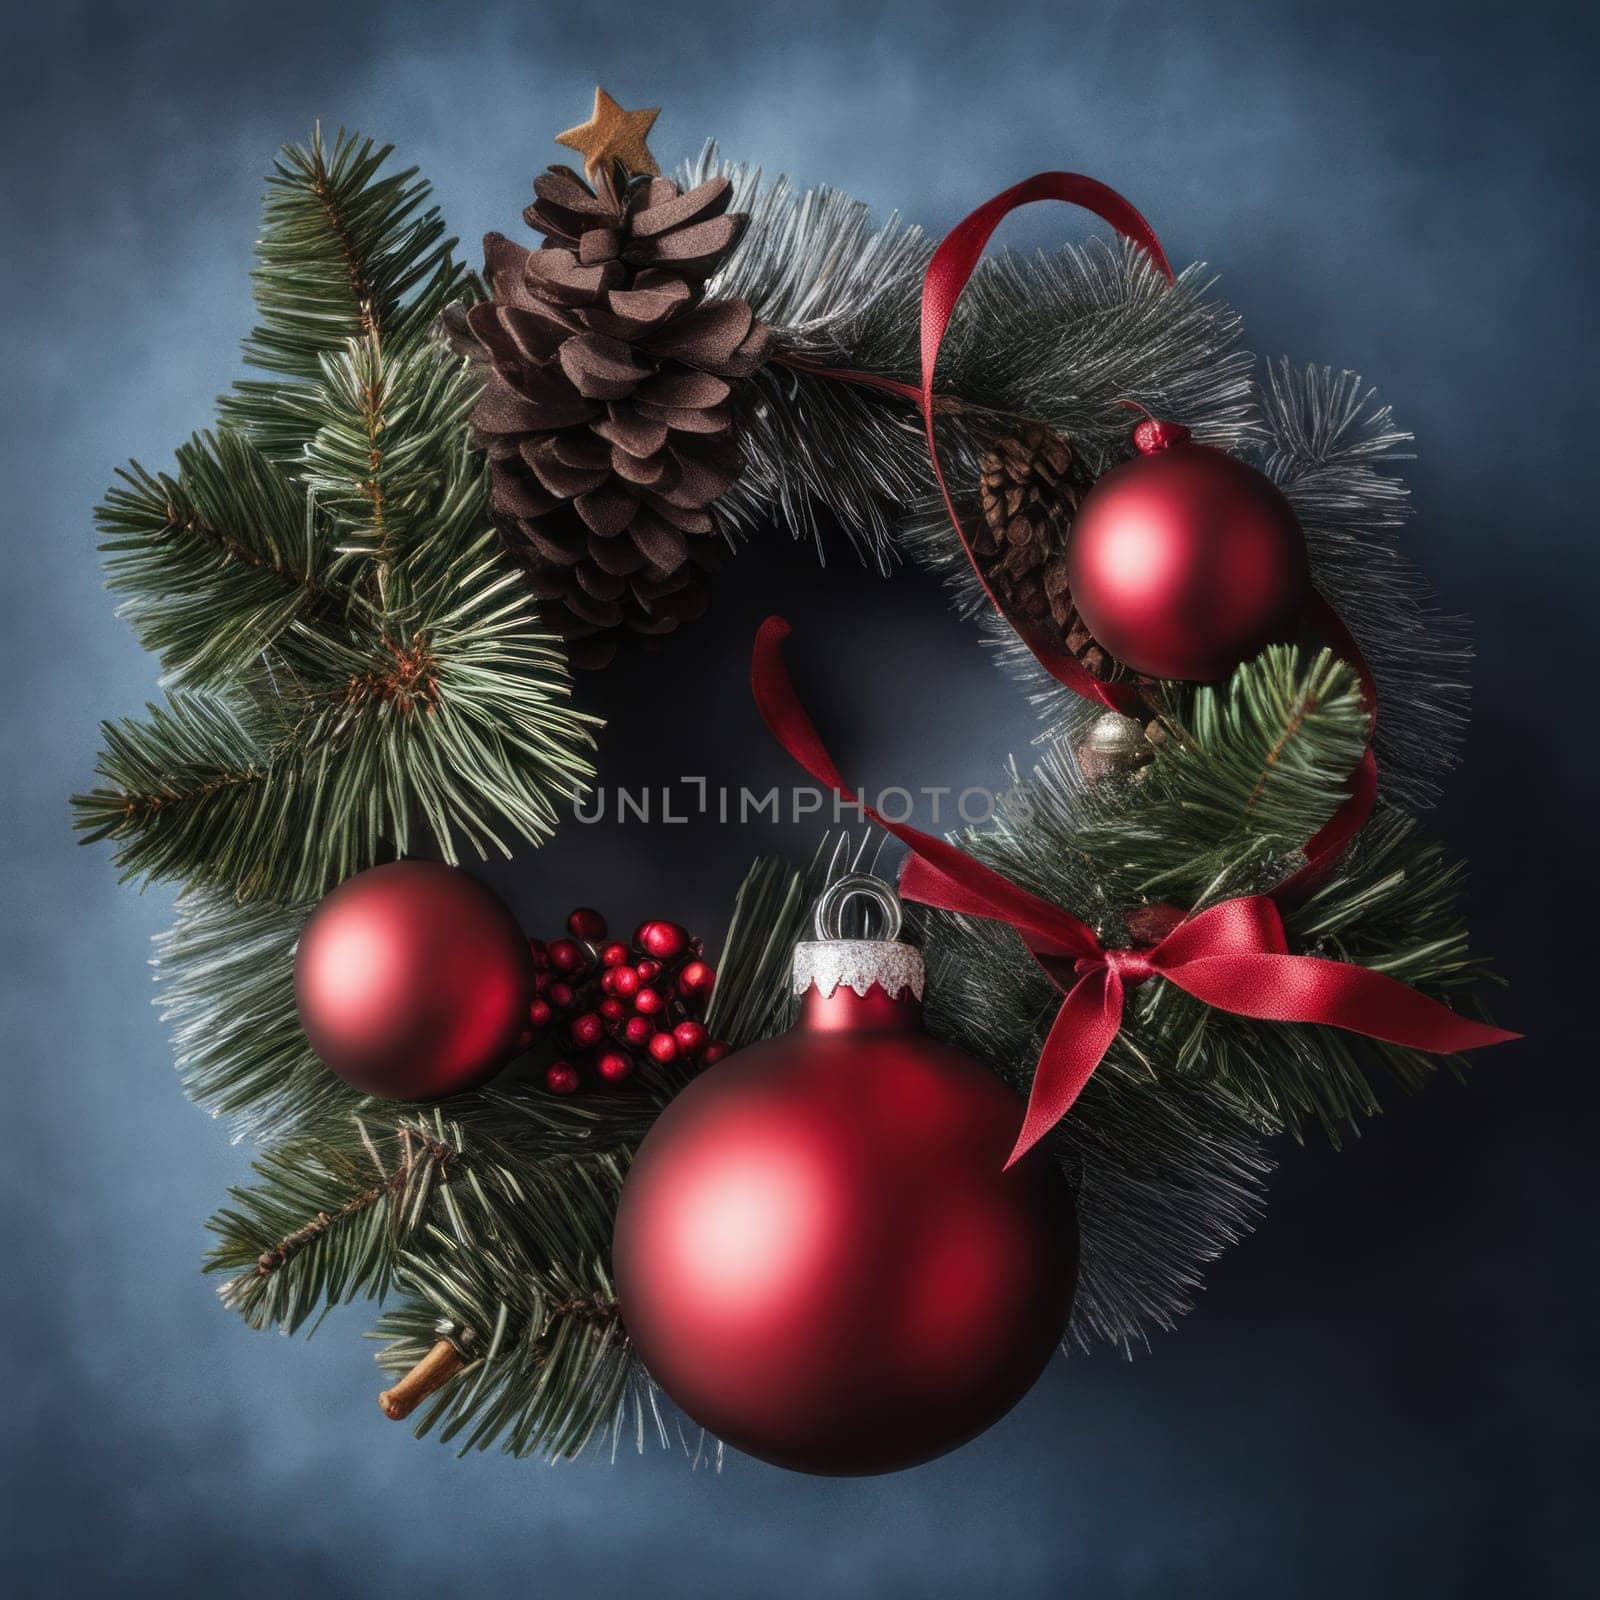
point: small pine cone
(1027, 495)
(605, 409)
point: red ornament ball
(664, 1047)
(614, 954)
(622, 981)
(820, 1256)
(586, 923)
(647, 1002)
(413, 981)
(1186, 561)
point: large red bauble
(1185, 561)
(413, 981)
(820, 1257)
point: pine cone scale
(600, 367)
(710, 199)
(562, 481)
(631, 431)
(607, 510)
(686, 388)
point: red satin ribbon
(1233, 956)
(948, 272)
(952, 265)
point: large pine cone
(605, 408)
(1027, 495)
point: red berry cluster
(606, 1005)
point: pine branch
(453, 719)
(197, 756)
(832, 286)
(1252, 771)
(1248, 773)
(226, 975)
(1335, 451)
(346, 253)
(325, 572)
(217, 562)
(492, 1217)
(389, 458)
(753, 969)
(550, 1368)
(326, 1223)
(363, 1185)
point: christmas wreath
(1205, 916)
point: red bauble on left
(413, 981)
(1185, 561)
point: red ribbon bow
(1233, 956)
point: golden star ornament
(612, 134)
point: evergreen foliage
(348, 255)
(351, 659)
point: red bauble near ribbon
(1185, 561)
(817, 1252)
(413, 981)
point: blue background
(1388, 1389)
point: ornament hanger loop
(828, 920)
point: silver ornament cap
(829, 960)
